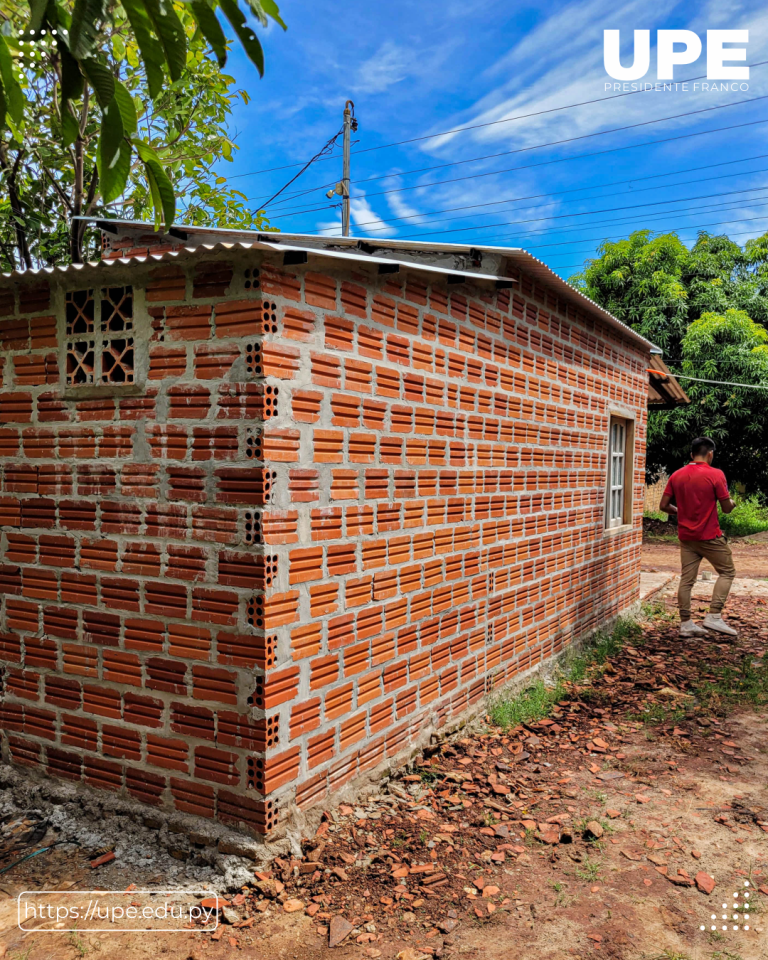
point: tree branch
(60, 193)
(17, 208)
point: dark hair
(701, 446)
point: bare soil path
(596, 833)
(750, 555)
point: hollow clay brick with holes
(308, 518)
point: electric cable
(490, 123)
(537, 146)
(493, 203)
(516, 237)
(617, 193)
(723, 383)
(579, 156)
(328, 146)
(584, 213)
(586, 240)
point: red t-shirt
(696, 489)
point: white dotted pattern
(737, 904)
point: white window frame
(620, 472)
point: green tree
(115, 107)
(704, 307)
(721, 347)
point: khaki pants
(692, 552)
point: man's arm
(723, 495)
(666, 505)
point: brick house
(275, 508)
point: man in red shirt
(696, 490)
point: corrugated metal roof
(663, 389)
(442, 258)
(190, 250)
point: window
(99, 337)
(619, 492)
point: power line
(586, 136)
(580, 266)
(329, 145)
(690, 226)
(478, 126)
(682, 229)
(618, 220)
(494, 203)
(723, 383)
(584, 213)
(618, 193)
(537, 146)
(580, 156)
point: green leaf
(101, 79)
(210, 28)
(14, 98)
(112, 173)
(127, 108)
(37, 10)
(83, 29)
(149, 46)
(117, 174)
(267, 8)
(170, 31)
(70, 128)
(71, 77)
(245, 34)
(161, 188)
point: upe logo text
(677, 47)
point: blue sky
(414, 69)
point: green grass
(657, 610)
(655, 515)
(589, 869)
(750, 515)
(581, 825)
(656, 713)
(671, 955)
(536, 701)
(747, 683)
(428, 776)
(76, 941)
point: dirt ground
(750, 554)
(594, 833)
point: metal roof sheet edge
(318, 245)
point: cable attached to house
(722, 383)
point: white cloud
(560, 62)
(389, 65)
(329, 228)
(400, 208)
(362, 216)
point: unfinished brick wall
(327, 511)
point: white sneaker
(691, 629)
(713, 621)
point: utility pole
(350, 124)
(342, 187)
